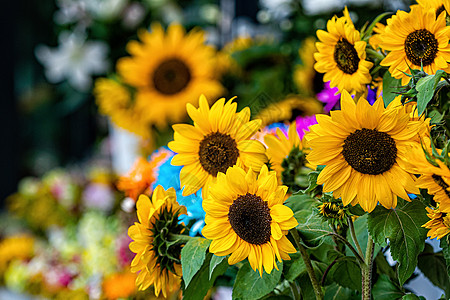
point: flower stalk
(366, 270)
(309, 268)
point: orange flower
(137, 181)
(119, 285)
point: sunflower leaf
(312, 229)
(426, 87)
(250, 285)
(215, 261)
(412, 297)
(294, 267)
(391, 88)
(438, 273)
(403, 227)
(385, 288)
(201, 282)
(192, 257)
(445, 245)
(347, 273)
(335, 291)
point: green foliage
(445, 245)
(426, 88)
(294, 267)
(437, 274)
(335, 291)
(391, 88)
(202, 281)
(347, 273)
(250, 285)
(402, 226)
(412, 297)
(192, 257)
(215, 261)
(385, 288)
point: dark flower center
(370, 151)
(440, 182)
(171, 76)
(346, 57)
(421, 47)
(218, 152)
(250, 218)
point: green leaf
(362, 235)
(201, 282)
(294, 267)
(312, 229)
(347, 273)
(300, 202)
(445, 245)
(412, 297)
(391, 87)
(425, 89)
(403, 227)
(384, 288)
(250, 285)
(192, 257)
(337, 292)
(215, 261)
(368, 32)
(433, 266)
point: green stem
(353, 234)
(309, 267)
(375, 54)
(295, 290)
(181, 238)
(366, 271)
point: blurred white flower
(105, 9)
(72, 11)
(133, 15)
(75, 59)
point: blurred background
(50, 121)
(51, 129)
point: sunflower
(288, 109)
(168, 71)
(342, 56)
(138, 180)
(115, 101)
(157, 260)
(437, 6)
(219, 139)
(304, 74)
(364, 149)
(245, 217)
(375, 39)
(439, 224)
(415, 39)
(435, 177)
(281, 147)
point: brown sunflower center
(421, 46)
(171, 76)
(250, 218)
(370, 151)
(440, 182)
(218, 152)
(346, 57)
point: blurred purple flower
(303, 124)
(99, 196)
(329, 96)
